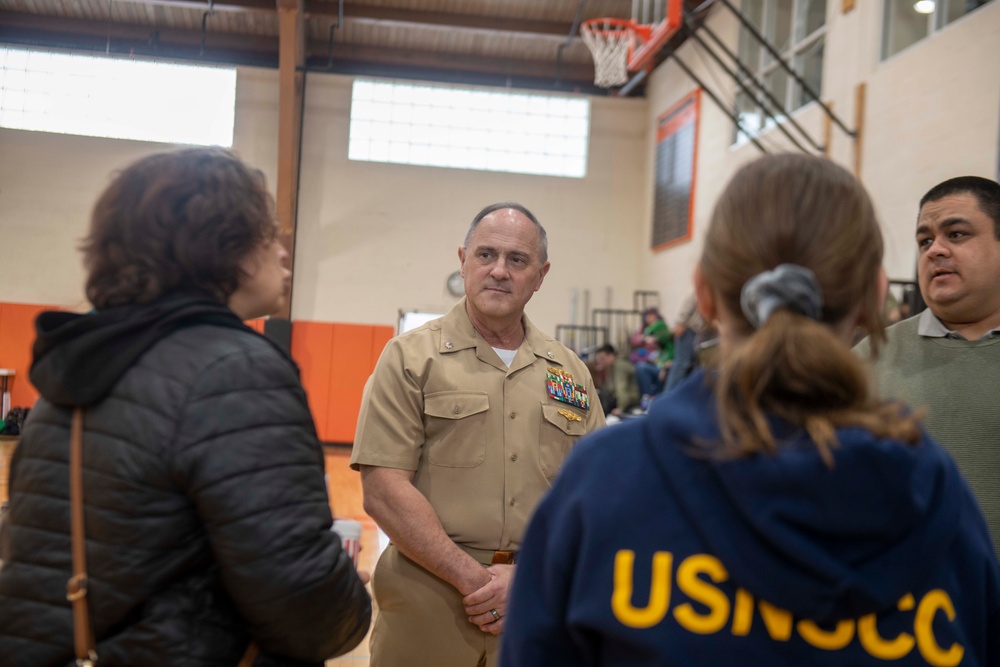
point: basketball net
(609, 41)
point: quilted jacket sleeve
(248, 455)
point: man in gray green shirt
(947, 358)
(619, 392)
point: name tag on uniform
(562, 387)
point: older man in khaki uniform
(463, 426)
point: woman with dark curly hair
(775, 511)
(206, 514)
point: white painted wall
(372, 238)
(932, 112)
(375, 237)
(48, 184)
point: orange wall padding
(17, 334)
(336, 360)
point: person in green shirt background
(658, 341)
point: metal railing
(621, 324)
(643, 299)
(581, 338)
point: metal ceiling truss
(774, 109)
(257, 50)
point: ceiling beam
(217, 5)
(262, 51)
(353, 11)
(536, 27)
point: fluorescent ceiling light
(924, 6)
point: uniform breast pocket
(560, 428)
(455, 427)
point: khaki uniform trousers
(421, 621)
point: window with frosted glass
(438, 126)
(120, 98)
(906, 22)
(796, 29)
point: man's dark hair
(607, 348)
(543, 244)
(181, 221)
(986, 192)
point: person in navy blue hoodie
(772, 511)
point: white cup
(350, 536)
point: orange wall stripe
(349, 369)
(312, 343)
(17, 335)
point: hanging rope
(335, 26)
(204, 26)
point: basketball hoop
(612, 41)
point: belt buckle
(504, 557)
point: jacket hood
(824, 543)
(78, 359)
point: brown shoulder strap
(76, 587)
(250, 656)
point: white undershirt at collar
(506, 356)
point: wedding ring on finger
(496, 614)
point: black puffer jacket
(207, 518)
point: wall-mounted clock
(456, 284)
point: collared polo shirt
(930, 326)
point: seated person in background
(658, 341)
(948, 358)
(690, 323)
(619, 392)
(596, 374)
(775, 512)
(207, 517)
(641, 351)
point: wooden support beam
(827, 131)
(859, 127)
(291, 77)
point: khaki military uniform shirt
(485, 441)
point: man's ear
(703, 296)
(541, 275)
